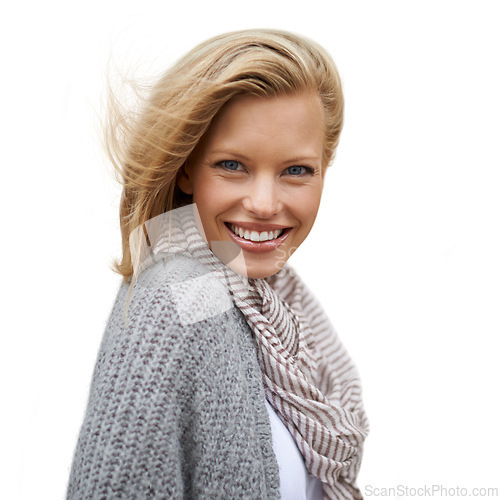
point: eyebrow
(295, 159)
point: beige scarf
(308, 376)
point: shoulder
(176, 290)
(158, 341)
(176, 308)
(176, 395)
(184, 287)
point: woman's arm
(175, 410)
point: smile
(255, 235)
(254, 239)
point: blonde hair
(147, 148)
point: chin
(256, 265)
(255, 272)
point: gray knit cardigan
(176, 408)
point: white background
(404, 255)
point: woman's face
(256, 178)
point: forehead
(290, 122)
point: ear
(184, 180)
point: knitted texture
(309, 378)
(176, 406)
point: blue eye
(296, 170)
(230, 164)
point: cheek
(215, 191)
(306, 205)
(203, 190)
(213, 197)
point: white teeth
(255, 235)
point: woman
(219, 375)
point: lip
(258, 246)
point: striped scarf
(308, 375)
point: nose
(262, 198)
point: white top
(295, 482)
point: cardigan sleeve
(176, 406)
